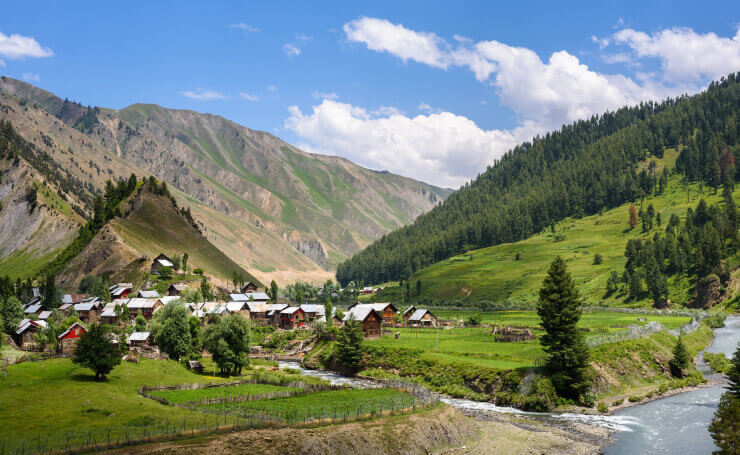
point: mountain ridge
(276, 197)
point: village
(125, 305)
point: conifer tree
(349, 346)
(680, 360)
(558, 308)
(725, 427)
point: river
(677, 424)
(672, 425)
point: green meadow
(511, 274)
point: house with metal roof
(139, 339)
(386, 310)
(314, 312)
(24, 336)
(292, 318)
(146, 307)
(32, 309)
(177, 288)
(68, 339)
(120, 290)
(161, 261)
(421, 318)
(151, 294)
(259, 297)
(370, 319)
(89, 310)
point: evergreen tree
(185, 258)
(273, 291)
(635, 284)
(349, 346)
(95, 351)
(612, 283)
(725, 427)
(558, 308)
(633, 216)
(50, 295)
(680, 360)
(418, 288)
(656, 282)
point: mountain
(582, 169)
(277, 211)
(150, 225)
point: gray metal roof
(418, 314)
(360, 312)
(246, 297)
(33, 308)
(137, 303)
(319, 310)
(151, 294)
(139, 336)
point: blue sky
(432, 90)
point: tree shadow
(85, 377)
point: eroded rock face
(312, 249)
(708, 292)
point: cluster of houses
(251, 303)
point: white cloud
(324, 96)
(272, 88)
(2, 63)
(447, 149)
(441, 148)
(602, 42)
(248, 96)
(304, 37)
(203, 94)
(31, 77)
(686, 56)
(245, 27)
(291, 50)
(19, 46)
(425, 107)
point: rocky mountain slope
(274, 209)
(125, 246)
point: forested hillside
(585, 167)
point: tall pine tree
(558, 308)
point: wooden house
(292, 318)
(386, 310)
(139, 339)
(257, 297)
(238, 308)
(421, 318)
(176, 289)
(89, 310)
(68, 339)
(25, 336)
(120, 290)
(249, 287)
(74, 298)
(336, 321)
(161, 261)
(371, 320)
(265, 313)
(146, 307)
(314, 313)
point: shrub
(198, 271)
(716, 320)
(473, 320)
(635, 399)
(618, 402)
(602, 407)
(598, 259)
(718, 362)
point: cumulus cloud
(245, 27)
(272, 88)
(248, 96)
(203, 94)
(324, 96)
(291, 50)
(441, 148)
(19, 46)
(685, 56)
(447, 149)
(31, 77)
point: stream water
(677, 424)
(672, 425)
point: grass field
(51, 397)
(494, 274)
(478, 346)
(188, 395)
(333, 403)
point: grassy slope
(54, 396)
(495, 275)
(154, 227)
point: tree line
(583, 168)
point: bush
(198, 271)
(473, 320)
(718, 362)
(602, 407)
(716, 320)
(598, 259)
(618, 402)
(635, 399)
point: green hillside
(495, 275)
(582, 169)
